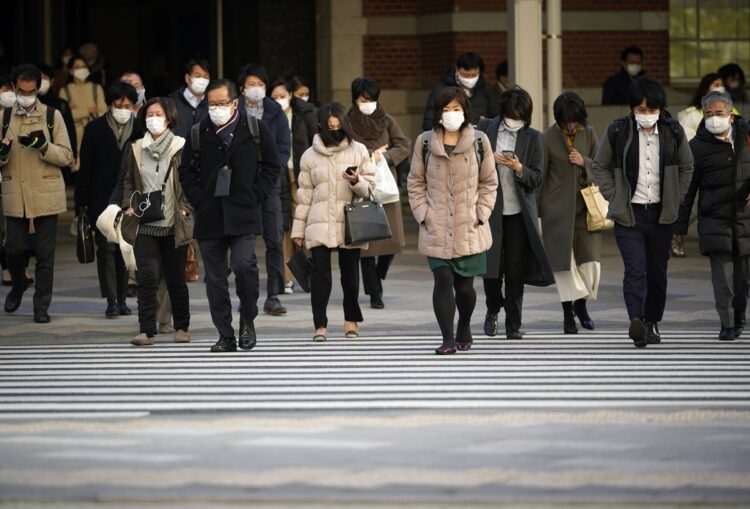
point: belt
(647, 206)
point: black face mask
(337, 135)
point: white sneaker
(289, 287)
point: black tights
(445, 302)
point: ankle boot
(112, 310)
(569, 318)
(579, 307)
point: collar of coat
(465, 142)
(322, 149)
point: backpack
(50, 121)
(478, 146)
(252, 126)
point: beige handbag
(596, 217)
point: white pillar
(219, 39)
(525, 52)
(554, 56)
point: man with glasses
(722, 175)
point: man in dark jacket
(253, 83)
(722, 175)
(60, 104)
(102, 146)
(226, 184)
(643, 166)
(615, 91)
(190, 98)
(468, 73)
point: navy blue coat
(187, 116)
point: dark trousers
(729, 273)
(110, 267)
(154, 255)
(244, 264)
(322, 281)
(17, 231)
(645, 252)
(373, 273)
(453, 291)
(273, 235)
(516, 252)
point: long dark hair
(332, 110)
(702, 89)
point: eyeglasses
(214, 106)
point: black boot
(579, 307)
(569, 319)
(112, 310)
(739, 323)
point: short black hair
(27, 72)
(365, 87)
(222, 82)
(280, 82)
(332, 110)
(46, 70)
(200, 62)
(631, 50)
(5, 81)
(73, 58)
(569, 107)
(516, 103)
(470, 60)
(119, 89)
(443, 98)
(702, 89)
(649, 89)
(501, 69)
(252, 70)
(167, 104)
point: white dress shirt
(647, 188)
(190, 98)
(506, 140)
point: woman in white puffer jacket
(324, 189)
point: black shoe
(248, 339)
(124, 310)
(739, 323)
(273, 306)
(41, 316)
(445, 350)
(132, 291)
(727, 334)
(490, 324)
(14, 297)
(579, 307)
(652, 333)
(225, 345)
(513, 334)
(376, 301)
(112, 310)
(637, 332)
(569, 318)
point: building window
(706, 34)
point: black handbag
(365, 221)
(84, 238)
(301, 268)
(149, 207)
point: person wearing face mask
(452, 188)
(104, 141)
(253, 83)
(721, 153)
(7, 94)
(574, 252)
(326, 186)
(615, 91)
(190, 98)
(381, 134)
(31, 156)
(302, 89)
(517, 255)
(151, 164)
(47, 97)
(468, 75)
(7, 100)
(227, 182)
(643, 166)
(86, 98)
(302, 118)
(734, 80)
(135, 79)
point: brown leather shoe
(182, 336)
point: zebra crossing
(591, 370)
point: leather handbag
(365, 221)
(84, 237)
(597, 208)
(301, 268)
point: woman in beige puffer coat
(324, 189)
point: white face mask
(717, 124)
(81, 74)
(305, 98)
(647, 121)
(156, 125)
(122, 116)
(141, 96)
(220, 115)
(721, 90)
(26, 101)
(467, 82)
(284, 103)
(254, 94)
(452, 120)
(7, 99)
(44, 87)
(633, 69)
(198, 85)
(368, 108)
(512, 124)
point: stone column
(554, 55)
(525, 52)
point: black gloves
(35, 140)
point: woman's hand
(377, 154)
(93, 111)
(129, 212)
(298, 241)
(353, 178)
(575, 157)
(511, 162)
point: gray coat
(611, 176)
(561, 205)
(530, 151)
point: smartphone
(509, 153)
(350, 170)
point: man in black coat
(468, 74)
(190, 98)
(60, 104)
(615, 91)
(226, 184)
(722, 175)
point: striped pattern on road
(601, 369)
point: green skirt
(466, 266)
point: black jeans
(110, 267)
(273, 235)
(17, 231)
(153, 254)
(322, 281)
(516, 251)
(645, 252)
(373, 272)
(245, 267)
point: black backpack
(252, 126)
(478, 146)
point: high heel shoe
(579, 307)
(569, 318)
(445, 350)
